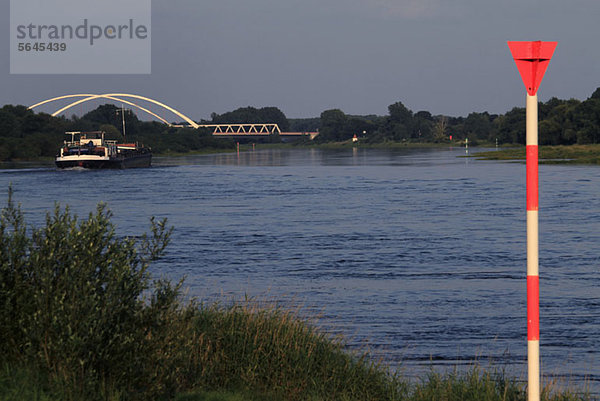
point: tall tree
(439, 128)
(400, 122)
(333, 125)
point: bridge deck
(312, 135)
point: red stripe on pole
(532, 178)
(533, 308)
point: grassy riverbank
(18, 383)
(573, 154)
(81, 319)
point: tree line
(25, 135)
(28, 135)
(561, 122)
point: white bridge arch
(218, 129)
(119, 98)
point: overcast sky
(305, 56)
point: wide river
(417, 255)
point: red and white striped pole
(532, 59)
(533, 278)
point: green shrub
(72, 299)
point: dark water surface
(419, 254)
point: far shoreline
(561, 154)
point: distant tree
(110, 114)
(333, 125)
(439, 129)
(585, 119)
(550, 132)
(9, 124)
(424, 115)
(478, 126)
(305, 124)
(400, 122)
(105, 114)
(423, 125)
(18, 111)
(400, 114)
(111, 131)
(511, 126)
(274, 115)
(251, 115)
(358, 126)
(557, 126)
(33, 123)
(83, 125)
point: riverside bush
(72, 299)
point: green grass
(214, 396)
(479, 384)
(268, 349)
(21, 384)
(225, 396)
(573, 154)
(476, 384)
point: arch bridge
(222, 130)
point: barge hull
(137, 161)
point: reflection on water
(418, 253)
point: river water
(418, 255)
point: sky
(360, 56)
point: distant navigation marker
(532, 59)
